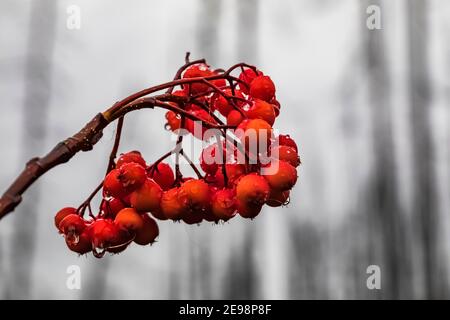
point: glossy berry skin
(192, 217)
(130, 157)
(112, 186)
(132, 176)
(171, 207)
(129, 219)
(204, 116)
(263, 88)
(195, 71)
(105, 234)
(234, 172)
(234, 118)
(173, 120)
(72, 223)
(195, 194)
(61, 214)
(286, 140)
(220, 103)
(247, 76)
(124, 240)
(163, 175)
(158, 214)
(111, 207)
(223, 204)
(254, 133)
(208, 161)
(220, 83)
(252, 190)
(276, 106)
(248, 211)
(147, 197)
(277, 198)
(287, 154)
(281, 175)
(262, 110)
(82, 244)
(149, 231)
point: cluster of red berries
(135, 194)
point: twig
(91, 133)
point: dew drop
(72, 238)
(98, 252)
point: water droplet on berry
(72, 238)
(167, 127)
(98, 252)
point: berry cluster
(238, 173)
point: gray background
(369, 110)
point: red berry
(195, 71)
(220, 103)
(81, 244)
(255, 134)
(173, 120)
(129, 219)
(277, 198)
(112, 187)
(224, 204)
(112, 206)
(263, 88)
(234, 118)
(130, 157)
(64, 212)
(210, 217)
(163, 175)
(192, 125)
(276, 106)
(126, 200)
(262, 110)
(158, 214)
(247, 77)
(287, 154)
(72, 224)
(148, 232)
(147, 197)
(132, 176)
(123, 241)
(208, 161)
(179, 93)
(192, 217)
(233, 170)
(252, 190)
(171, 207)
(105, 234)
(195, 195)
(220, 83)
(281, 175)
(286, 140)
(248, 211)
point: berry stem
(224, 161)
(193, 166)
(113, 154)
(178, 147)
(87, 203)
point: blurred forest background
(369, 109)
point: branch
(92, 132)
(84, 140)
